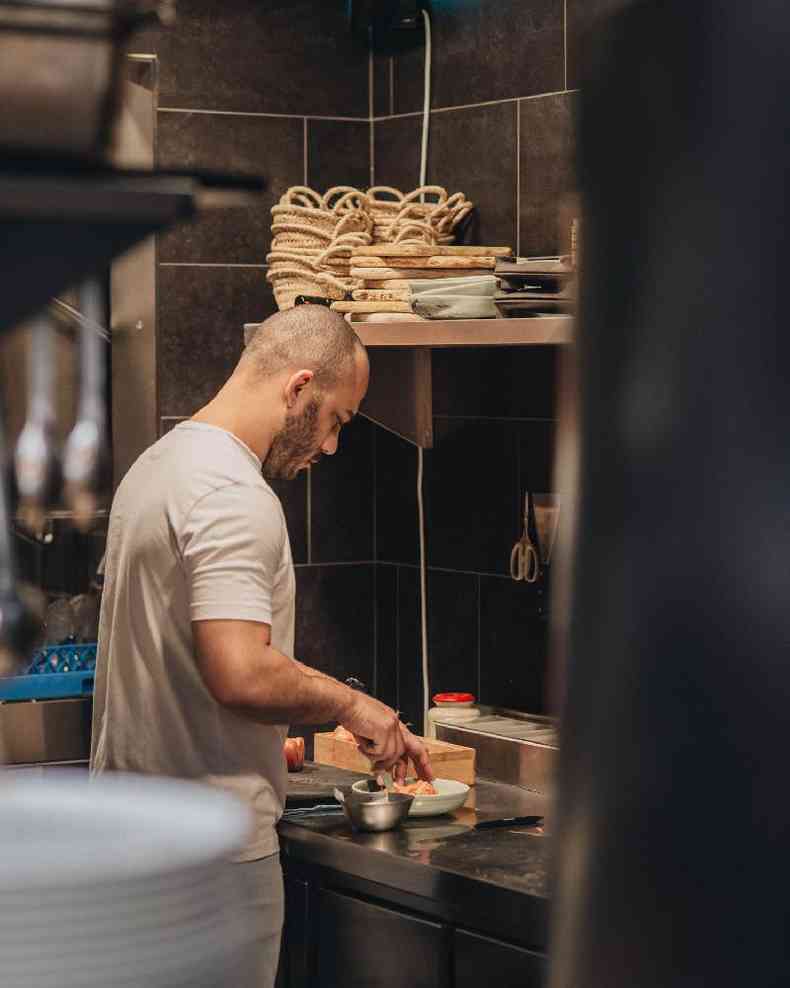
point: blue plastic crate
(56, 673)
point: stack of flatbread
(389, 273)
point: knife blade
(510, 821)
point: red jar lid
(454, 698)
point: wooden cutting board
(449, 761)
(386, 306)
(413, 274)
(381, 295)
(418, 250)
(461, 264)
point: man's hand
(384, 740)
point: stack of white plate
(122, 882)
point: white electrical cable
(426, 120)
(426, 109)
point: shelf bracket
(399, 397)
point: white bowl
(450, 796)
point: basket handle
(323, 278)
(301, 194)
(448, 223)
(373, 193)
(287, 226)
(343, 194)
(428, 190)
(415, 233)
(350, 223)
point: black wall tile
(335, 620)
(397, 537)
(338, 153)
(342, 499)
(383, 88)
(488, 50)
(453, 632)
(582, 16)
(409, 648)
(248, 145)
(293, 497)
(201, 312)
(472, 495)
(283, 56)
(470, 151)
(513, 645)
(396, 154)
(502, 382)
(536, 449)
(387, 634)
(547, 173)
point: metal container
(377, 815)
(61, 70)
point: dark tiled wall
(276, 88)
(494, 429)
(504, 75)
(272, 88)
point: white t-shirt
(195, 533)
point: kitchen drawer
(361, 945)
(479, 959)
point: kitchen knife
(510, 821)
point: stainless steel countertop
(501, 875)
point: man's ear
(295, 384)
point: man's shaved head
(307, 337)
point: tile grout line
(397, 637)
(337, 563)
(479, 656)
(431, 569)
(370, 84)
(372, 153)
(207, 264)
(375, 632)
(474, 106)
(518, 179)
(492, 418)
(371, 124)
(273, 116)
(375, 498)
(309, 519)
(304, 149)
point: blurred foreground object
(121, 881)
(673, 820)
(61, 71)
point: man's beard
(294, 444)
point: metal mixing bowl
(377, 816)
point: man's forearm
(277, 689)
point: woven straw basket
(314, 234)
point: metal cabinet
(478, 959)
(362, 945)
(295, 954)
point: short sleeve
(232, 546)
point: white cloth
(195, 533)
(262, 894)
(455, 298)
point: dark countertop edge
(474, 903)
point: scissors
(525, 557)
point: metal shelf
(535, 331)
(59, 224)
(400, 397)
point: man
(194, 676)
